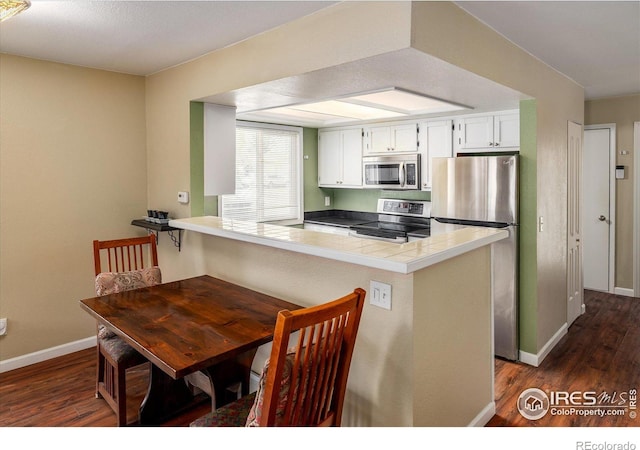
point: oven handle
(399, 239)
(402, 174)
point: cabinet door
(436, 140)
(329, 158)
(219, 149)
(506, 130)
(378, 140)
(352, 158)
(404, 138)
(476, 132)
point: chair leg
(121, 392)
(111, 387)
(100, 373)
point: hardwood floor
(600, 353)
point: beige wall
(622, 111)
(446, 391)
(72, 169)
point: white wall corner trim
(46, 354)
(536, 359)
(484, 416)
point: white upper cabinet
(219, 149)
(391, 138)
(340, 158)
(497, 132)
(436, 140)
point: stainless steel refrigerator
(483, 191)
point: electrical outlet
(380, 294)
(327, 201)
(3, 326)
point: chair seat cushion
(120, 351)
(232, 415)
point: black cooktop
(392, 228)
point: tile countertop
(401, 258)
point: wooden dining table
(200, 324)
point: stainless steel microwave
(392, 171)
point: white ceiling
(597, 44)
(140, 37)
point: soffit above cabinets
(371, 81)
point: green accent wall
(313, 195)
(367, 199)
(196, 141)
(528, 288)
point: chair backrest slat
(123, 255)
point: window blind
(268, 175)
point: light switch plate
(380, 294)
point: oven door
(391, 172)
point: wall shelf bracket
(157, 228)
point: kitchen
(406, 291)
(397, 158)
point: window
(268, 175)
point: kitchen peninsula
(428, 361)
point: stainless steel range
(398, 221)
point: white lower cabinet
(436, 140)
(340, 158)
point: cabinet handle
(497, 144)
(490, 144)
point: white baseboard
(43, 355)
(484, 416)
(536, 359)
(623, 291)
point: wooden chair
(130, 264)
(306, 385)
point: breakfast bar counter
(401, 258)
(424, 357)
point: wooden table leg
(228, 373)
(165, 397)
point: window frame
(298, 165)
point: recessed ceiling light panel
(408, 102)
(384, 104)
(347, 110)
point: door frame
(612, 199)
(636, 221)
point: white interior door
(598, 208)
(574, 222)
